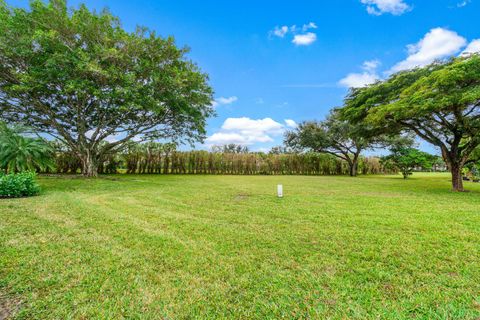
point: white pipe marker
(280, 191)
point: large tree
(333, 136)
(440, 103)
(78, 76)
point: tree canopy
(230, 148)
(440, 103)
(334, 136)
(78, 76)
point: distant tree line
(158, 158)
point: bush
(18, 185)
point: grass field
(209, 247)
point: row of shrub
(203, 162)
(160, 161)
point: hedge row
(151, 161)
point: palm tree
(20, 152)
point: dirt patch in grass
(109, 178)
(9, 305)
(242, 196)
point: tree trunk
(353, 166)
(457, 179)
(89, 165)
(353, 169)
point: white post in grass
(280, 191)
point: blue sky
(276, 63)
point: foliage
(406, 159)
(439, 164)
(472, 166)
(280, 150)
(203, 247)
(148, 157)
(440, 103)
(158, 158)
(110, 163)
(472, 170)
(16, 185)
(19, 152)
(475, 171)
(78, 76)
(334, 136)
(474, 157)
(67, 162)
(230, 148)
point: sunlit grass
(225, 247)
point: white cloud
(229, 100)
(304, 39)
(371, 65)
(379, 7)
(290, 123)
(463, 3)
(250, 125)
(280, 31)
(246, 131)
(300, 35)
(222, 138)
(310, 25)
(358, 80)
(224, 101)
(368, 76)
(473, 47)
(438, 43)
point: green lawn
(209, 247)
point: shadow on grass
(9, 305)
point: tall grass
(155, 158)
(203, 162)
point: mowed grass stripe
(225, 247)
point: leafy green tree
(333, 136)
(19, 152)
(472, 166)
(474, 157)
(440, 103)
(406, 159)
(79, 77)
(230, 148)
